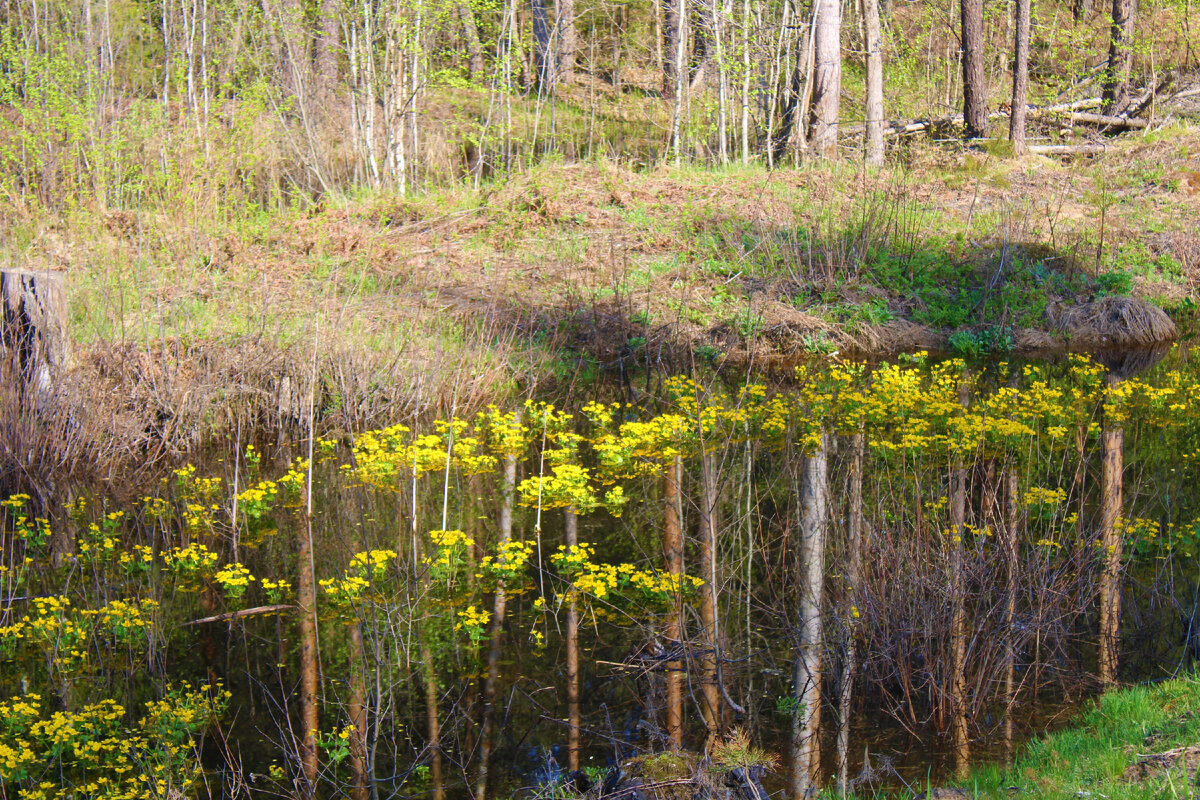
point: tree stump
(34, 332)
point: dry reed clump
(1112, 322)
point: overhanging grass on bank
(1090, 758)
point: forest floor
(564, 272)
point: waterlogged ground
(172, 611)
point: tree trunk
(746, 19)
(567, 40)
(544, 61)
(670, 46)
(1112, 440)
(306, 596)
(974, 80)
(827, 76)
(360, 781)
(680, 72)
(960, 740)
(672, 547)
(806, 674)
(850, 612)
(34, 333)
(433, 721)
(326, 51)
(1116, 82)
(718, 24)
(471, 36)
(874, 108)
(1011, 538)
(573, 722)
(507, 491)
(710, 632)
(1016, 123)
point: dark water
(899, 722)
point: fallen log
(1067, 149)
(1078, 105)
(1182, 93)
(1139, 106)
(1105, 120)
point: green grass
(1089, 759)
(1092, 755)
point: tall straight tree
(1116, 82)
(974, 80)
(679, 72)
(670, 44)
(1016, 122)
(491, 680)
(567, 39)
(806, 668)
(543, 54)
(827, 76)
(1112, 470)
(672, 547)
(874, 42)
(958, 606)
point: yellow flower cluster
(507, 567)
(568, 486)
(234, 580)
(1042, 496)
(373, 564)
(275, 590)
(449, 556)
(128, 621)
(598, 581)
(474, 622)
(190, 561)
(90, 752)
(256, 501)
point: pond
(891, 570)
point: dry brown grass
(1114, 322)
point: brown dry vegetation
(407, 304)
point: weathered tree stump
(34, 332)
(34, 356)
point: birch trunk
(874, 108)
(746, 81)
(681, 38)
(806, 675)
(543, 57)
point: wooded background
(128, 100)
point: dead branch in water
(245, 612)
